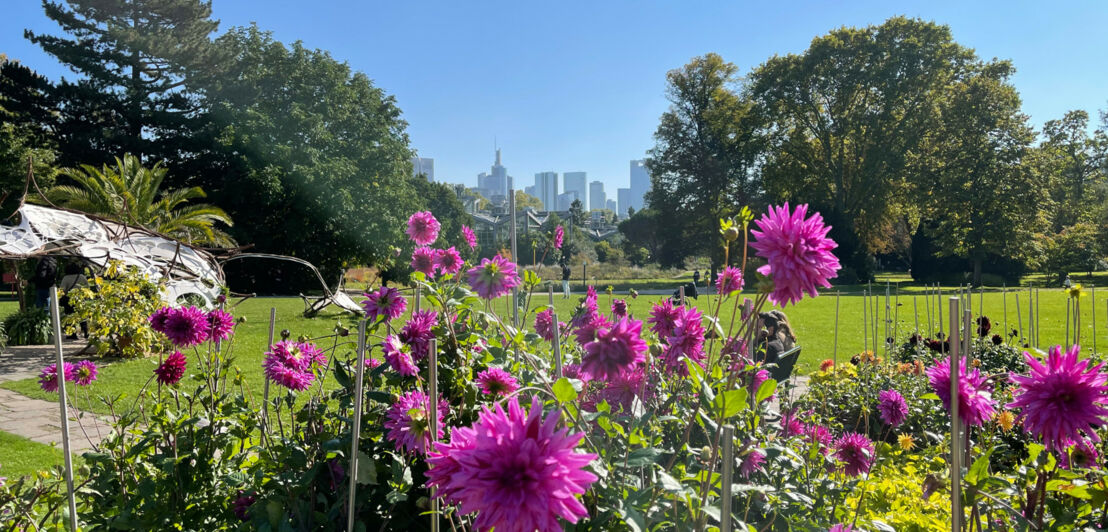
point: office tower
(640, 184)
(495, 185)
(530, 191)
(566, 199)
(424, 166)
(624, 197)
(546, 189)
(612, 205)
(577, 182)
(597, 197)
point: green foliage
(23, 102)
(1074, 249)
(30, 326)
(116, 305)
(131, 193)
(1075, 164)
(605, 252)
(894, 495)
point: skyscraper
(494, 186)
(423, 166)
(566, 199)
(577, 182)
(612, 205)
(640, 185)
(546, 189)
(624, 197)
(597, 197)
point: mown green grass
(20, 456)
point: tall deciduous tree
(701, 165)
(26, 135)
(131, 58)
(984, 197)
(1073, 162)
(311, 153)
(846, 118)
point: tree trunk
(977, 271)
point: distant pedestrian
(777, 335)
(74, 278)
(1068, 283)
(565, 280)
(46, 274)
(696, 277)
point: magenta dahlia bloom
(384, 302)
(186, 326)
(449, 261)
(559, 237)
(241, 506)
(820, 436)
(417, 333)
(791, 426)
(797, 252)
(84, 373)
(493, 278)
(619, 308)
(752, 462)
(1080, 455)
(975, 402)
(171, 369)
(841, 528)
(423, 260)
(856, 453)
(663, 318)
(729, 281)
(615, 350)
(159, 318)
(517, 472)
(620, 391)
(407, 422)
(397, 358)
(893, 408)
(48, 377)
(290, 364)
(372, 363)
(220, 325)
(1062, 400)
(544, 324)
(686, 341)
(423, 228)
(495, 381)
(471, 238)
(573, 371)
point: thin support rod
(955, 424)
(356, 427)
(55, 317)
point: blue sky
(571, 85)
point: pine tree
(132, 58)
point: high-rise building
(566, 199)
(612, 205)
(624, 197)
(640, 184)
(597, 197)
(424, 166)
(546, 189)
(577, 182)
(495, 185)
(530, 191)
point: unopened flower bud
(285, 334)
(731, 234)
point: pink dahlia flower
(241, 506)
(559, 237)
(797, 252)
(48, 377)
(620, 391)
(856, 453)
(544, 324)
(495, 381)
(752, 462)
(384, 302)
(893, 408)
(615, 350)
(220, 324)
(449, 261)
(493, 278)
(397, 358)
(686, 341)
(841, 528)
(84, 373)
(423, 228)
(171, 369)
(289, 364)
(819, 436)
(619, 308)
(729, 281)
(663, 318)
(1080, 455)
(1062, 400)
(423, 260)
(159, 317)
(517, 472)
(408, 423)
(975, 402)
(417, 333)
(186, 326)
(471, 238)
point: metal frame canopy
(64, 233)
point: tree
(846, 119)
(702, 163)
(132, 57)
(984, 196)
(1073, 249)
(642, 231)
(1073, 162)
(577, 213)
(131, 193)
(312, 155)
(524, 200)
(26, 116)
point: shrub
(30, 326)
(116, 306)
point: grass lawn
(20, 456)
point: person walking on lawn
(565, 280)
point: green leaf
(766, 390)
(367, 469)
(979, 470)
(563, 390)
(930, 396)
(729, 403)
(643, 457)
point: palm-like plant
(129, 192)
